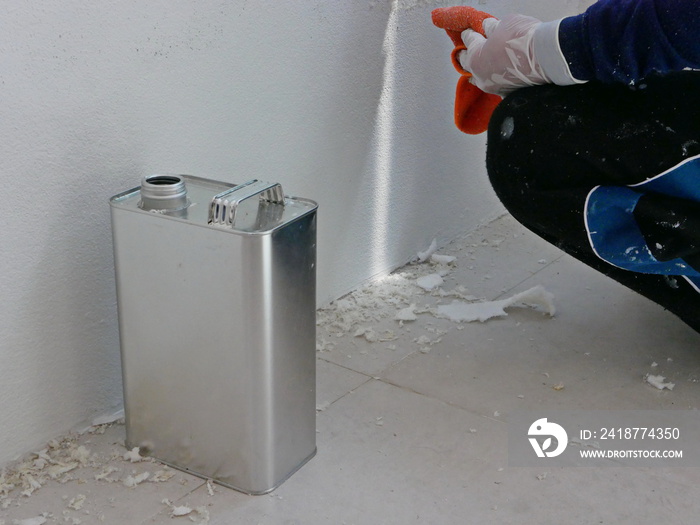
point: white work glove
(518, 51)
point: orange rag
(473, 107)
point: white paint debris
(423, 340)
(55, 463)
(324, 346)
(162, 475)
(106, 472)
(80, 454)
(133, 481)
(133, 455)
(389, 335)
(178, 511)
(58, 470)
(442, 259)
(658, 382)
(210, 487)
(203, 514)
(31, 485)
(406, 314)
(426, 342)
(424, 256)
(182, 510)
(77, 502)
(39, 520)
(654, 364)
(460, 292)
(320, 407)
(460, 311)
(368, 333)
(367, 305)
(430, 282)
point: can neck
(163, 193)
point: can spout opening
(163, 180)
(163, 193)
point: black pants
(549, 146)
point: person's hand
(505, 60)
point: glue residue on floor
(426, 287)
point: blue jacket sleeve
(626, 40)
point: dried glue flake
(459, 311)
(80, 454)
(369, 334)
(430, 282)
(133, 455)
(442, 259)
(424, 256)
(54, 463)
(180, 511)
(177, 510)
(659, 382)
(39, 520)
(406, 314)
(77, 502)
(68, 459)
(105, 473)
(162, 475)
(367, 305)
(133, 481)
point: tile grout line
(442, 401)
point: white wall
(348, 103)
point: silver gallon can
(216, 293)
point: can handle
(224, 205)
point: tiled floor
(412, 417)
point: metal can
(216, 294)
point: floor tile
(333, 382)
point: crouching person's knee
(510, 151)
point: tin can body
(217, 334)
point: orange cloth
(473, 107)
